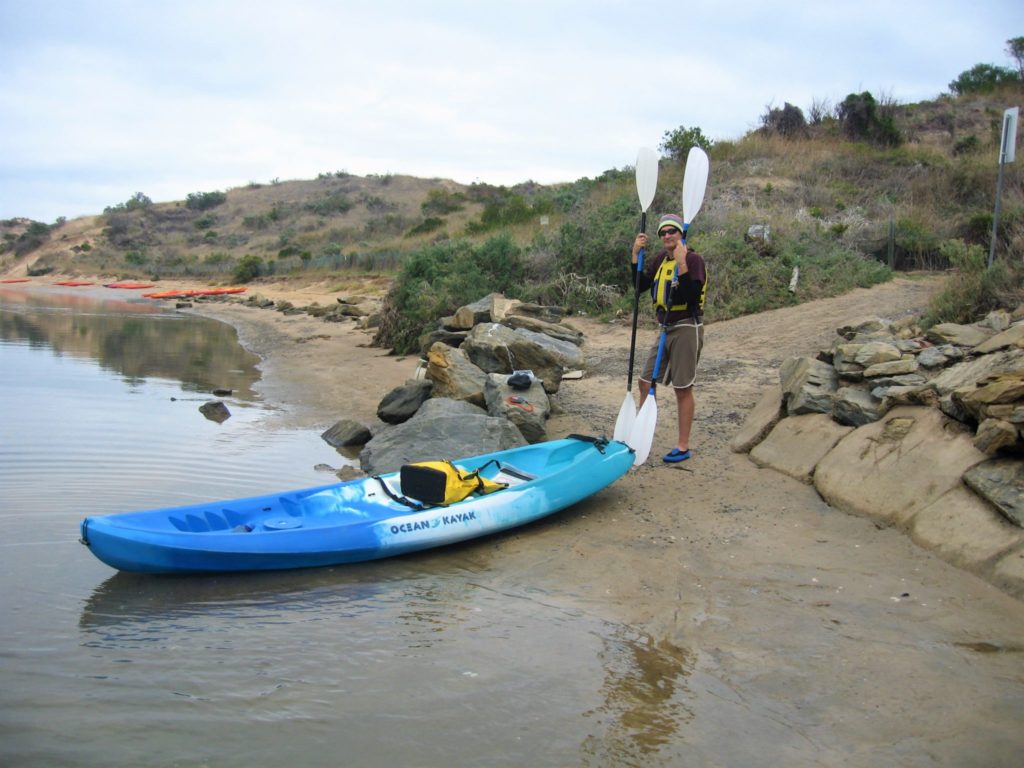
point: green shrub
(426, 226)
(203, 201)
(435, 281)
(975, 289)
(329, 205)
(248, 268)
(597, 242)
(440, 202)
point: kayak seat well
(225, 520)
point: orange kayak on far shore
(185, 294)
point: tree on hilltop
(677, 144)
(1015, 49)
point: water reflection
(134, 339)
(645, 699)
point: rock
(967, 374)
(403, 401)
(442, 429)
(346, 432)
(1011, 337)
(855, 407)
(477, 312)
(998, 388)
(547, 314)
(875, 352)
(1001, 483)
(496, 348)
(760, 421)
(445, 336)
(528, 409)
(215, 410)
(348, 472)
(865, 326)
(807, 385)
(554, 330)
(796, 445)
(994, 435)
(932, 357)
(759, 232)
(961, 335)
(895, 467)
(963, 529)
(893, 368)
(998, 320)
(454, 375)
(1008, 573)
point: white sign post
(1007, 154)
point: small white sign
(1009, 139)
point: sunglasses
(668, 231)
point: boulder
(442, 429)
(760, 421)
(528, 409)
(892, 468)
(1011, 337)
(876, 352)
(554, 330)
(962, 529)
(496, 348)
(403, 401)
(347, 432)
(215, 410)
(454, 375)
(445, 336)
(1001, 483)
(796, 445)
(892, 368)
(545, 313)
(807, 385)
(855, 407)
(961, 335)
(478, 312)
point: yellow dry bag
(442, 483)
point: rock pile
(923, 430)
(488, 373)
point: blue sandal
(675, 455)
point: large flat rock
(796, 445)
(897, 466)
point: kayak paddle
(646, 185)
(695, 182)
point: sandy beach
(734, 571)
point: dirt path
(745, 598)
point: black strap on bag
(400, 499)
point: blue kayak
(359, 520)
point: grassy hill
(845, 209)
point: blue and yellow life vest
(665, 281)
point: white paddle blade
(695, 181)
(642, 436)
(646, 176)
(627, 418)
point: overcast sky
(100, 99)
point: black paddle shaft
(636, 306)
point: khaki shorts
(683, 344)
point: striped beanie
(670, 220)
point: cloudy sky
(100, 99)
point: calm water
(413, 661)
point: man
(677, 278)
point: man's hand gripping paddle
(646, 185)
(695, 182)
